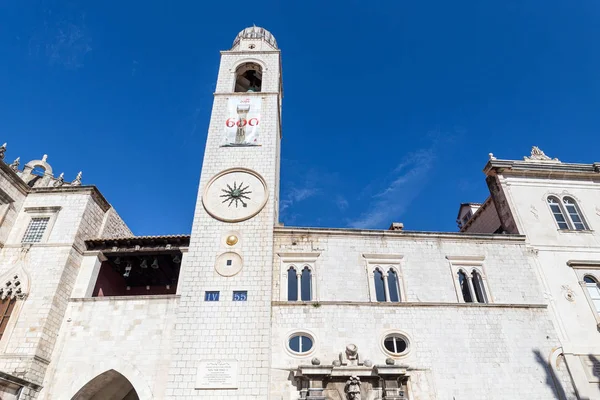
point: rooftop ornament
(2, 151)
(538, 155)
(15, 164)
(77, 181)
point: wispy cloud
(295, 195)
(134, 65)
(404, 184)
(341, 203)
(63, 39)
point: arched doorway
(109, 385)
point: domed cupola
(253, 38)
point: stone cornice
(246, 52)
(403, 304)
(90, 189)
(541, 169)
(398, 234)
(14, 178)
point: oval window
(300, 344)
(395, 344)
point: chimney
(396, 226)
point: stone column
(471, 288)
(88, 274)
(386, 287)
(299, 282)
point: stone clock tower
(222, 343)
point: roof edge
(420, 234)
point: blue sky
(389, 113)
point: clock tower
(222, 343)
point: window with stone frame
(7, 307)
(40, 221)
(299, 283)
(567, 214)
(298, 278)
(471, 285)
(470, 281)
(387, 284)
(588, 275)
(384, 272)
(35, 230)
(593, 289)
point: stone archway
(109, 385)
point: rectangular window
(35, 230)
(6, 308)
(594, 292)
(211, 296)
(240, 295)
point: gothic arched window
(379, 285)
(248, 78)
(393, 287)
(478, 288)
(574, 214)
(292, 281)
(558, 213)
(463, 281)
(306, 285)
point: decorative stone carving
(350, 356)
(15, 164)
(12, 289)
(349, 379)
(2, 151)
(538, 155)
(60, 180)
(353, 388)
(390, 361)
(77, 181)
(315, 361)
(491, 156)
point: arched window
(379, 285)
(574, 214)
(306, 285)
(464, 286)
(591, 285)
(478, 287)
(292, 284)
(6, 308)
(557, 211)
(248, 78)
(393, 286)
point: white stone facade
(247, 309)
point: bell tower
(221, 348)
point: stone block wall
(342, 274)
(132, 336)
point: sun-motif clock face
(235, 195)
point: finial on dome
(45, 157)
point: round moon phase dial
(235, 195)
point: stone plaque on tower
(217, 374)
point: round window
(395, 344)
(300, 344)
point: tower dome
(255, 33)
